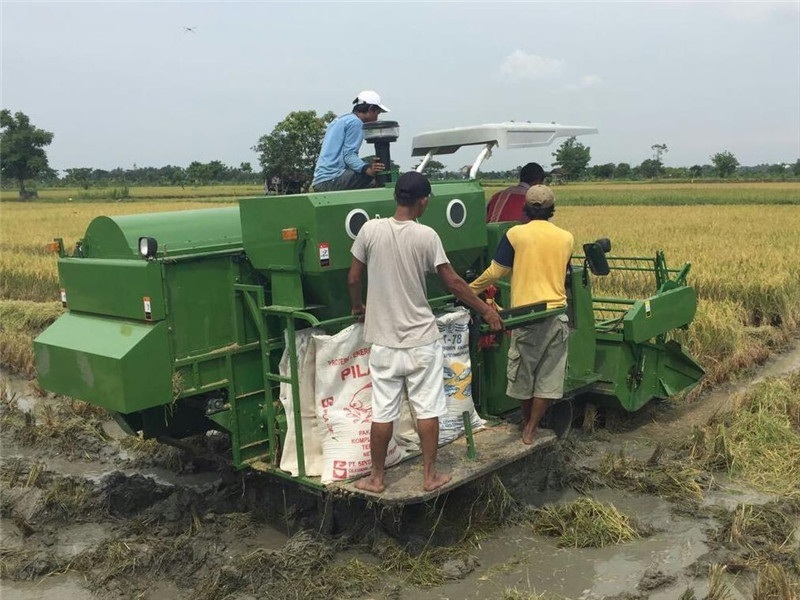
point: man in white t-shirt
(406, 349)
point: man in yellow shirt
(537, 255)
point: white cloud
(520, 66)
(585, 82)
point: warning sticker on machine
(324, 255)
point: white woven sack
(454, 327)
(343, 399)
(312, 441)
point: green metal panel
(200, 295)
(113, 287)
(119, 364)
(634, 374)
(656, 315)
(582, 341)
(320, 256)
(177, 233)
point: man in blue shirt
(338, 166)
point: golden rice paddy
(745, 258)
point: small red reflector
(289, 234)
(53, 247)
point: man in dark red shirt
(506, 205)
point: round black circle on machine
(456, 212)
(354, 221)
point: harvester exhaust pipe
(382, 134)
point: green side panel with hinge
(201, 298)
(113, 287)
(119, 364)
(653, 316)
(634, 374)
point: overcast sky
(124, 83)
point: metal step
(496, 446)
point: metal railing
(631, 278)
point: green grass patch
(20, 322)
(585, 523)
(671, 479)
(759, 440)
(776, 581)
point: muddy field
(88, 512)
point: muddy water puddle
(517, 559)
(58, 587)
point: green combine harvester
(177, 321)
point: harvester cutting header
(239, 320)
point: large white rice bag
(343, 398)
(454, 327)
(312, 440)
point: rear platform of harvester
(177, 322)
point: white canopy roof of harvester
(508, 135)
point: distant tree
(48, 176)
(79, 176)
(197, 172)
(22, 154)
(622, 171)
(651, 168)
(725, 163)
(658, 150)
(289, 153)
(777, 169)
(695, 171)
(216, 171)
(433, 169)
(796, 167)
(605, 171)
(572, 158)
(245, 167)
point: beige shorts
(537, 359)
(420, 369)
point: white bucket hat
(370, 97)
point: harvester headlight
(148, 247)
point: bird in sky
(189, 29)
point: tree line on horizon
(288, 154)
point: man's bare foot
(528, 435)
(370, 484)
(437, 481)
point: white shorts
(420, 369)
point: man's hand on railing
(358, 312)
(492, 318)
